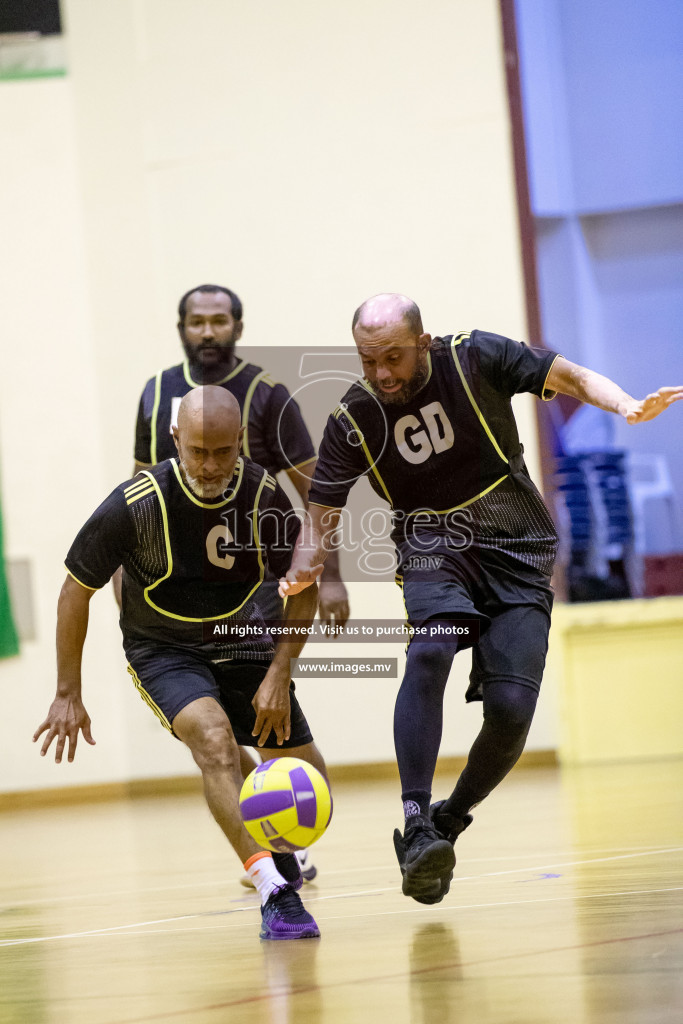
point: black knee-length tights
(418, 721)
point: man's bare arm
(271, 700)
(571, 379)
(333, 595)
(67, 715)
(316, 540)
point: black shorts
(169, 678)
(511, 602)
(270, 604)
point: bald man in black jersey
(194, 536)
(210, 325)
(431, 425)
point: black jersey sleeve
(103, 543)
(340, 463)
(279, 527)
(285, 428)
(511, 366)
(143, 426)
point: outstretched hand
(66, 717)
(297, 580)
(653, 405)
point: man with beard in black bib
(431, 425)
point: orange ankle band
(254, 857)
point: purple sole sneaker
(283, 916)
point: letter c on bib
(419, 449)
(217, 537)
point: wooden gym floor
(567, 908)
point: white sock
(263, 873)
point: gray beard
(408, 390)
(201, 489)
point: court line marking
(117, 928)
(638, 851)
(404, 910)
(513, 903)
(571, 863)
(281, 992)
(132, 926)
(344, 895)
(217, 883)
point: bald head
(393, 348)
(210, 406)
(208, 438)
(387, 310)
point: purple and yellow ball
(286, 804)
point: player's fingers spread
(265, 733)
(258, 724)
(40, 730)
(46, 744)
(261, 727)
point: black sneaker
(426, 860)
(283, 916)
(448, 826)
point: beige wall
(308, 154)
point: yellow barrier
(619, 669)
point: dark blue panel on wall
(624, 76)
(603, 87)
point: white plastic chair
(649, 480)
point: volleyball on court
(285, 804)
